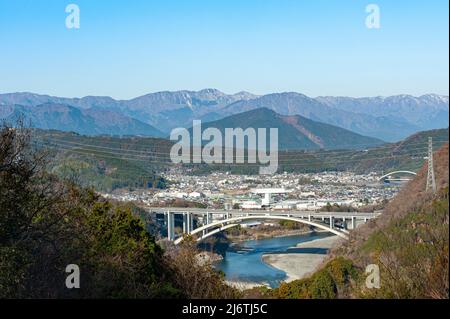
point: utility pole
(431, 182)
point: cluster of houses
(279, 191)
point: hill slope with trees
(409, 243)
(47, 223)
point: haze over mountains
(386, 118)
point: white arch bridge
(210, 222)
(395, 173)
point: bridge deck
(296, 213)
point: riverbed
(244, 266)
(303, 259)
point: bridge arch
(235, 221)
(396, 172)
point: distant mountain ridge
(389, 129)
(295, 131)
(387, 118)
(84, 121)
(426, 111)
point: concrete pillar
(170, 226)
(331, 222)
(209, 218)
(309, 217)
(185, 223)
(166, 220)
(353, 222)
(190, 221)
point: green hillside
(105, 163)
(405, 155)
(109, 163)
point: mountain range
(386, 118)
(91, 121)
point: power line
(283, 154)
(94, 148)
(90, 148)
(281, 161)
(386, 146)
(87, 152)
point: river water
(243, 262)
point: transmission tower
(431, 182)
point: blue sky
(317, 47)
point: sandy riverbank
(244, 285)
(298, 265)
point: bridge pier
(344, 223)
(331, 222)
(170, 219)
(191, 222)
(185, 217)
(188, 224)
(208, 219)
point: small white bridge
(214, 221)
(397, 172)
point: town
(287, 191)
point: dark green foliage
(124, 260)
(289, 224)
(322, 286)
(47, 224)
(329, 282)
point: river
(244, 263)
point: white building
(195, 195)
(289, 204)
(251, 205)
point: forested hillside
(48, 223)
(108, 163)
(409, 243)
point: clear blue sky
(317, 47)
